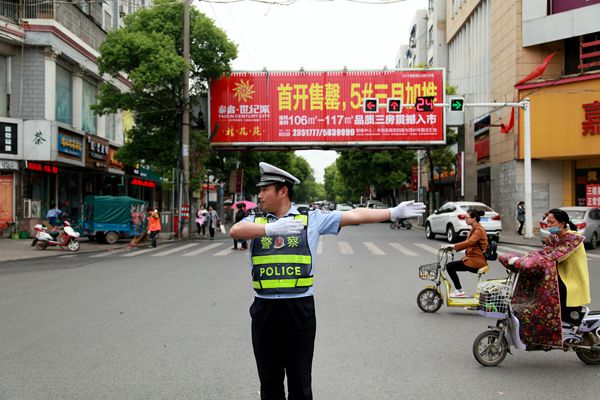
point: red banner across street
(325, 108)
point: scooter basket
(494, 299)
(429, 272)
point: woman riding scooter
(475, 245)
(553, 285)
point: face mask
(554, 230)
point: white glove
(407, 209)
(513, 260)
(283, 227)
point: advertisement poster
(6, 198)
(263, 109)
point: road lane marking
(596, 256)
(67, 256)
(138, 252)
(320, 247)
(223, 252)
(427, 248)
(107, 253)
(202, 250)
(175, 250)
(507, 249)
(345, 247)
(403, 249)
(374, 249)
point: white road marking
(223, 252)
(345, 247)
(427, 248)
(403, 249)
(202, 250)
(138, 252)
(320, 247)
(175, 250)
(374, 249)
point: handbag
(222, 228)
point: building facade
(56, 150)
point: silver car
(587, 220)
(450, 220)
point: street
(173, 323)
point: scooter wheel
(408, 226)
(73, 245)
(41, 245)
(393, 226)
(429, 300)
(488, 350)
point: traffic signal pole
(524, 104)
(185, 129)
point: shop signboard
(69, 145)
(591, 124)
(37, 140)
(114, 165)
(8, 138)
(269, 109)
(143, 172)
(96, 154)
(592, 195)
(9, 165)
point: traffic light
(371, 105)
(457, 104)
(424, 104)
(455, 115)
(394, 105)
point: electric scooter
(64, 237)
(431, 298)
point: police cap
(270, 175)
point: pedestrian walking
(520, 216)
(154, 227)
(283, 242)
(213, 221)
(240, 215)
(201, 220)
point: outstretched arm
(406, 209)
(245, 230)
(364, 216)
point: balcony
(84, 19)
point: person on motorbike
(475, 245)
(554, 282)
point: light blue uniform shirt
(319, 223)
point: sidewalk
(12, 250)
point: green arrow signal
(456, 104)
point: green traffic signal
(457, 104)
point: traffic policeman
(283, 249)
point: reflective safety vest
(282, 264)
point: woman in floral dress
(554, 283)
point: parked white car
(587, 220)
(450, 220)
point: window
(88, 119)
(110, 126)
(64, 96)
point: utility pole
(185, 132)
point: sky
(319, 35)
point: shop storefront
(7, 192)
(565, 138)
(116, 174)
(144, 184)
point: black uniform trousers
(283, 337)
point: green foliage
(149, 51)
(358, 169)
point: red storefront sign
(35, 166)
(592, 195)
(142, 182)
(591, 125)
(324, 108)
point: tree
(386, 170)
(149, 51)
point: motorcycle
(401, 223)
(63, 237)
(431, 298)
(490, 347)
